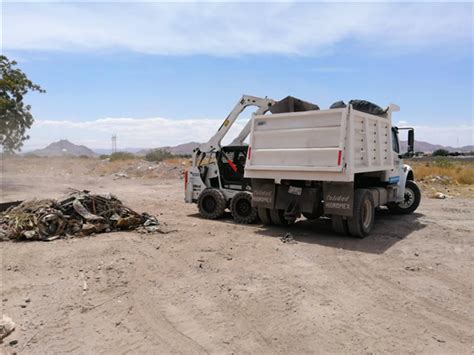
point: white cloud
(131, 132)
(232, 28)
(157, 132)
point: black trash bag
(338, 104)
(363, 106)
(292, 104)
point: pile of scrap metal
(79, 214)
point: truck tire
(340, 225)
(411, 200)
(211, 203)
(362, 221)
(264, 214)
(242, 209)
(278, 217)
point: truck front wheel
(362, 221)
(411, 200)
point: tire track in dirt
(396, 297)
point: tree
(15, 115)
(440, 153)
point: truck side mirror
(411, 141)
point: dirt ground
(220, 287)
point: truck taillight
(249, 153)
(339, 157)
(186, 172)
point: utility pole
(114, 143)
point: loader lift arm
(213, 144)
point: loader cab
(231, 163)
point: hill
(181, 149)
(426, 147)
(63, 148)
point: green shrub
(440, 153)
(121, 156)
(104, 156)
(442, 162)
(157, 155)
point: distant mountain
(181, 149)
(63, 148)
(185, 148)
(426, 147)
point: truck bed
(321, 145)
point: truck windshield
(395, 145)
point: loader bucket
(292, 104)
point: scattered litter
(439, 340)
(6, 326)
(80, 213)
(288, 238)
(85, 287)
(117, 176)
(440, 196)
(413, 268)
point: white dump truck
(342, 163)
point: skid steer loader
(216, 180)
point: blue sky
(162, 74)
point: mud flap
(263, 193)
(338, 198)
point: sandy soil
(219, 287)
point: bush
(104, 156)
(121, 156)
(440, 153)
(442, 162)
(157, 155)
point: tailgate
(298, 141)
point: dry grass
(179, 160)
(458, 172)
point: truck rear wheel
(211, 203)
(340, 225)
(278, 217)
(242, 209)
(411, 200)
(264, 214)
(362, 221)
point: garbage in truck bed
(80, 213)
(292, 104)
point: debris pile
(6, 327)
(288, 239)
(80, 213)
